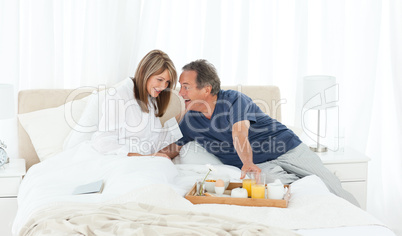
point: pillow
(89, 121)
(194, 153)
(48, 128)
(309, 185)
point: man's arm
(242, 145)
(171, 150)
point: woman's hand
(160, 154)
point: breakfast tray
(191, 196)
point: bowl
(210, 183)
(239, 192)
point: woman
(130, 122)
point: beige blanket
(159, 209)
(133, 218)
(304, 211)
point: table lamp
(319, 93)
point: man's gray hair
(206, 75)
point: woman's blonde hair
(154, 63)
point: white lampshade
(6, 101)
(319, 91)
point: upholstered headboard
(266, 97)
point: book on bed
(93, 187)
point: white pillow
(309, 185)
(194, 153)
(89, 122)
(49, 127)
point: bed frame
(266, 97)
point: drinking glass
(200, 187)
(258, 189)
(248, 181)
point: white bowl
(210, 186)
(239, 192)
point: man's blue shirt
(268, 138)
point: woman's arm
(159, 154)
(171, 151)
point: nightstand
(10, 178)
(350, 167)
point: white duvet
(157, 181)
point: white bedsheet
(132, 178)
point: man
(231, 126)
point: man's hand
(248, 167)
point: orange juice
(258, 191)
(247, 183)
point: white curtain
(67, 44)
(385, 130)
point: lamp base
(319, 148)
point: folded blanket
(159, 209)
(319, 209)
(135, 218)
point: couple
(226, 123)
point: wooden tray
(191, 196)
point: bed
(144, 195)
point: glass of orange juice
(249, 181)
(258, 189)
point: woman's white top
(124, 128)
